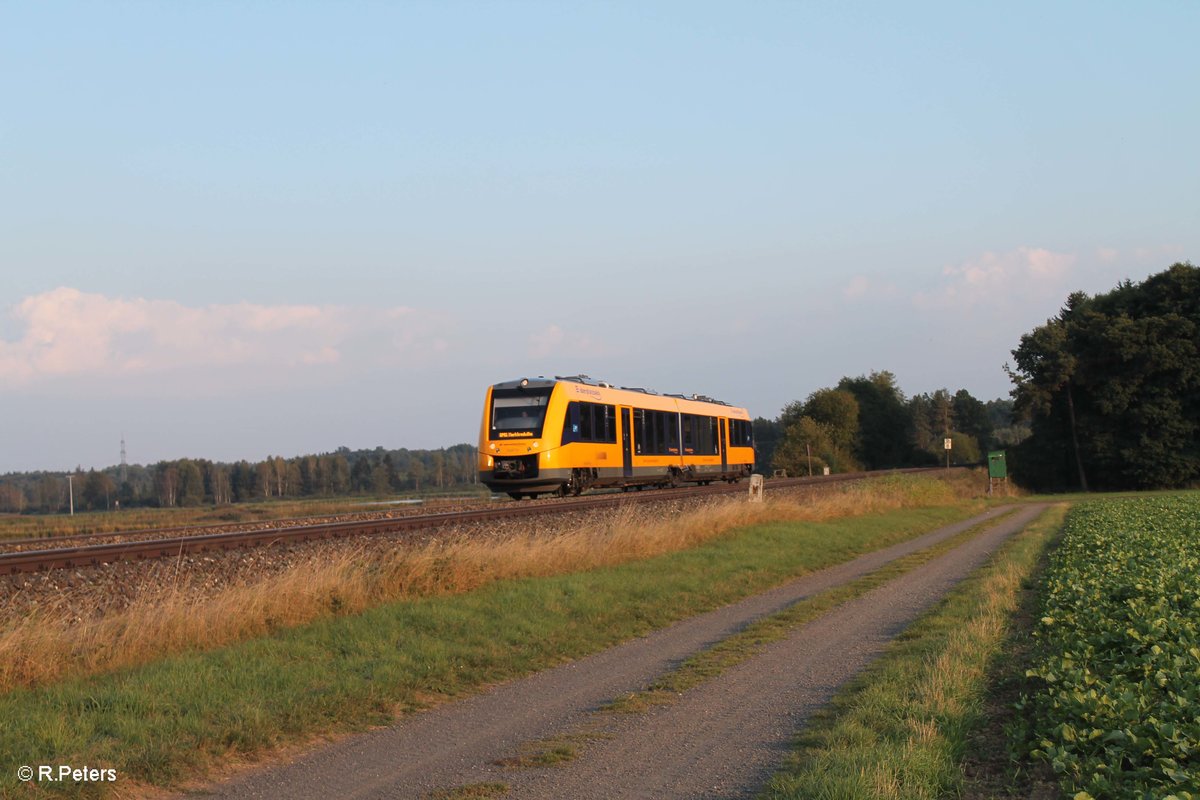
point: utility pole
(808, 451)
(71, 492)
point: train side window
(639, 431)
(609, 434)
(570, 431)
(672, 433)
(703, 436)
(741, 433)
(585, 421)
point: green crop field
(1116, 706)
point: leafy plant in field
(1117, 674)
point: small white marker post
(947, 444)
(756, 488)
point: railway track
(139, 549)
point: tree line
(194, 482)
(866, 422)
(1111, 386)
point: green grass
(173, 719)
(903, 727)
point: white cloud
(1024, 274)
(857, 287)
(1159, 256)
(66, 332)
(554, 341)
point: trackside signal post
(997, 470)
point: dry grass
(56, 642)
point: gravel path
(722, 739)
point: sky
(233, 230)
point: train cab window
(518, 413)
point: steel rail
(172, 547)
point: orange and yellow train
(565, 435)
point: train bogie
(568, 435)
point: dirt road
(722, 739)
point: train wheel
(516, 495)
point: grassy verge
(902, 729)
(174, 718)
(58, 642)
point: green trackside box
(996, 465)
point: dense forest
(1112, 388)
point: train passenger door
(724, 445)
(626, 443)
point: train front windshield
(518, 413)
